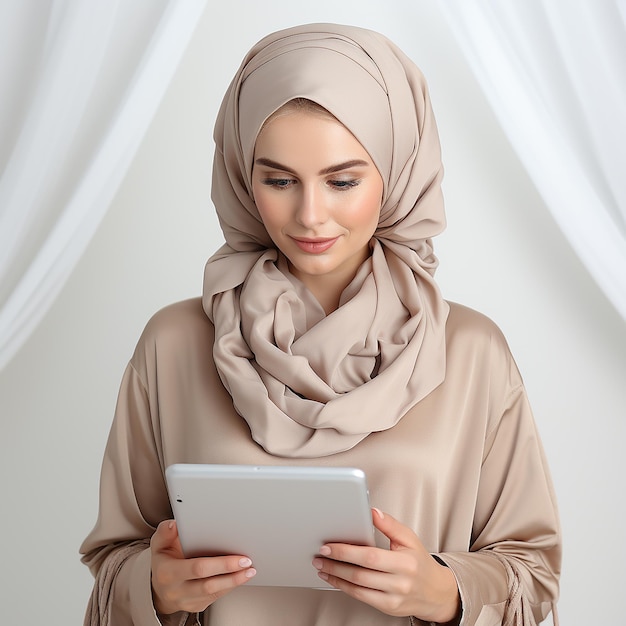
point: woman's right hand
(191, 585)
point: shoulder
(179, 317)
(178, 332)
(468, 325)
(480, 368)
(475, 342)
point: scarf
(310, 384)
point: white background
(502, 254)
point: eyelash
(285, 183)
(278, 183)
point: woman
(322, 338)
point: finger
(215, 566)
(195, 595)
(399, 559)
(399, 535)
(369, 567)
(165, 539)
(363, 556)
(387, 591)
(218, 585)
(360, 592)
(177, 571)
(381, 599)
(341, 572)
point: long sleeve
(510, 573)
(133, 500)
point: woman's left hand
(404, 580)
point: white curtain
(555, 75)
(80, 83)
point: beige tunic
(464, 468)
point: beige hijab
(308, 384)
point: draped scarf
(310, 384)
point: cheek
(260, 200)
(366, 212)
(269, 210)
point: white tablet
(279, 516)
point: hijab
(310, 384)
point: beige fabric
(464, 468)
(310, 385)
(99, 608)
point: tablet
(279, 516)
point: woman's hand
(180, 584)
(404, 580)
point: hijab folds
(309, 384)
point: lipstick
(314, 246)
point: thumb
(165, 537)
(399, 535)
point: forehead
(308, 138)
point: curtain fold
(83, 82)
(555, 75)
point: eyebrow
(327, 170)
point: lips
(314, 246)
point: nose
(311, 210)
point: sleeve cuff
(141, 604)
(482, 586)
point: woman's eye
(344, 184)
(278, 183)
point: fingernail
(245, 562)
(325, 551)
(323, 575)
(380, 513)
(318, 563)
(250, 572)
(170, 525)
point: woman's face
(319, 196)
